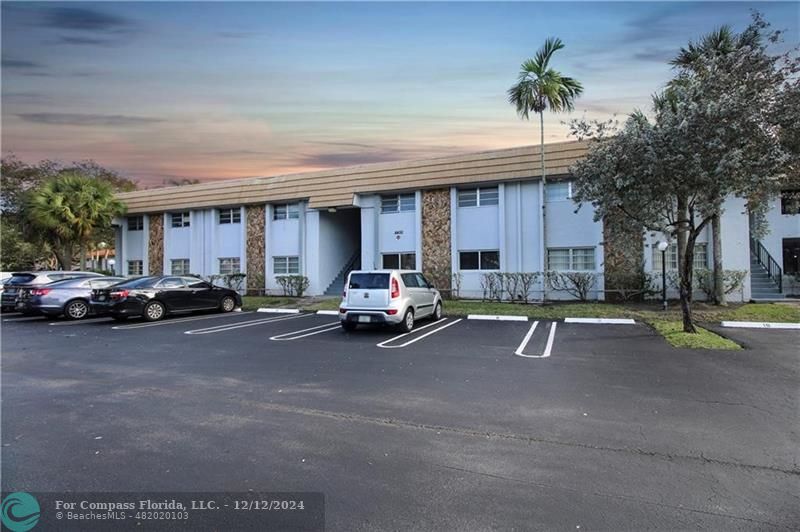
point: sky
(208, 91)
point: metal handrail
(766, 261)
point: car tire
(437, 312)
(227, 304)
(154, 311)
(408, 321)
(348, 326)
(77, 309)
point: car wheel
(437, 312)
(408, 321)
(76, 310)
(227, 304)
(154, 311)
(348, 326)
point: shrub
(234, 281)
(458, 277)
(577, 284)
(632, 285)
(732, 280)
(492, 285)
(293, 285)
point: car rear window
(21, 279)
(370, 281)
(138, 282)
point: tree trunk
(686, 240)
(83, 255)
(544, 210)
(63, 256)
(719, 273)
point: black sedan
(154, 297)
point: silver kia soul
(391, 297)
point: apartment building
(459, 215)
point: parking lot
(460, 424)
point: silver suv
(391, 297)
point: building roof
(337, 187)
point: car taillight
(119, 294)
(40, 291)
(342, 310)
(395, 288)
(344, 293)
(391, 311)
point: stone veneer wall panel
(256, 250)
(436, 236)
(155, 245)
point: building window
(700, 257)
(286, 211)
(286, 265)
(398, 203)
(135, 267)
(558, 191)
(478, 197)
(230, 216)
(399, 261)
(135, 223)
(179, 219)
(791, 256)
(229, 265)
(179, 266)
(570, 259)
(479, 260)
(790, 202)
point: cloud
(21, 64)
(80, 119)
(25, 97)
(85, 41)
(84, 19)
(656, 55)
(327, 160)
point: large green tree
(71, 209)
(715, 134)
(540, 88)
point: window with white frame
(135, 267)
(398, 203)
(700, 257)
(558, 191)
(179, 266)
(229, 265)
(230, 216)
(286, 211)
(135, 223)
(285, 265)
(570, 259)
(399, 261)
(479, 260)
(478, 197)
(179, 219)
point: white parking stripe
(760, 325)
(608, 321)
(548, 347)
(79, 322)
(26, 318)
(279, 310)
(241, 325)
(169, 321)
(328, 312)
(295, 336)
(418, 338)
(496, 317)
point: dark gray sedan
(69, 297)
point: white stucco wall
(780, 226)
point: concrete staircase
(337, 285)
(762, 288)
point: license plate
(364, 319)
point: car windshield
(21, 278)
(139, 282)
(370, 281)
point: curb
(760, 325)
(495, 317)
(607, 321)
(280, 310)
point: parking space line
(418, 338)
(177, 320)
(79, 322)
(285, 337)
(548, 347)
(241, 325)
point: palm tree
(539, 88)
(70, 209)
